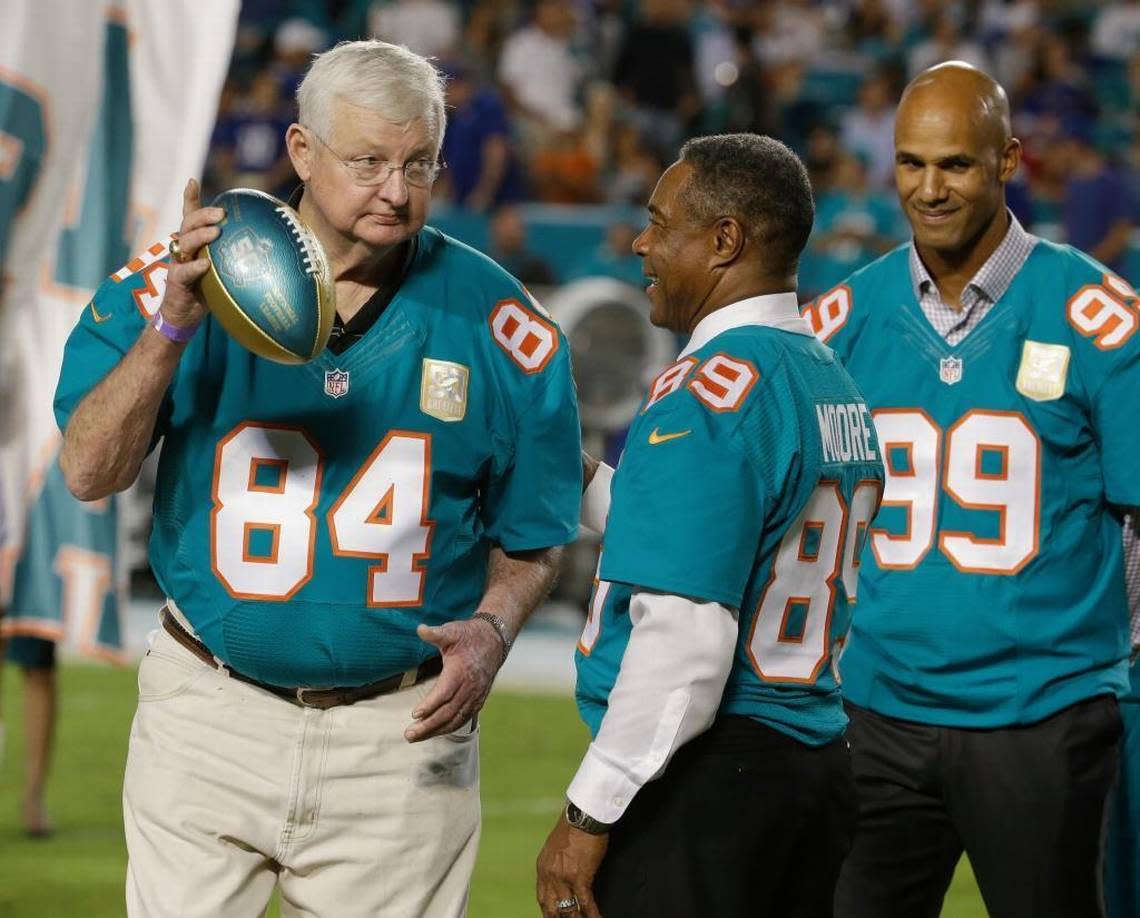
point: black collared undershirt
(346, 334)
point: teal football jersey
(308, 518)
(748, 479)
(991, 591)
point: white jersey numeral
(1101, 313)
(593, 625)
(263, 529)
(908, 484)
(790, 639)
(1011, 486)
(529, 340)
(393, 529)
(830, 312)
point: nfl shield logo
(336, 383)
(950, 370)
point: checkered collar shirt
(1132, 575)
(980, 294)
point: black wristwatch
(580, 820)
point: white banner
(106, 110)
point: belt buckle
(300, 696)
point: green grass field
(530, 745)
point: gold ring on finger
(177, 254)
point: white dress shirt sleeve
(596, 500)
(668, 691)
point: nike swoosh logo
(657, 437)
(99, 320)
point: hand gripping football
(269, 282)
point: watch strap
(579, 819)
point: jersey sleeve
(687, 510)
(533, 501)
(1111, 371)
(109, 326)
(829, 315)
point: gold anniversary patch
(1043, 371)
(443, 389)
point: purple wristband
(179, 334)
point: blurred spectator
(820, 156)
(294, 44)
(564, 171)
(428, 27)
(605, 30)
(714, 48)
(946, 44)
(599, 128)
(257, 21)
(999, 19)
(872, 31)
(539, 73)
(613, 258)
(1013, 40)
(488, 22)
(248, 146)
(509, 248)
(340, 19)
(853, 223)
(1116, 31)
(1096, 209)
(788, 30)
(1059, 87)
(869, 129)
(748, 104)
(795, 110)
(635, 168)
(654, 73)
(482, 171)
(1134, 191)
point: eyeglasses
(368, 170)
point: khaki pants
(230, 789)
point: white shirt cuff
(600, 789)
(596, 501)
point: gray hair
(761, 183)
(388, 79)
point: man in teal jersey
(728, 565)
(991, 638)
(325, 532)
(1122, 878)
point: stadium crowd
(580, 102)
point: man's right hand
(182, 303)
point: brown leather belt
(307, 697)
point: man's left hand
(472, 654)
(566, 866)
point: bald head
(954, 154)
(960, 91)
